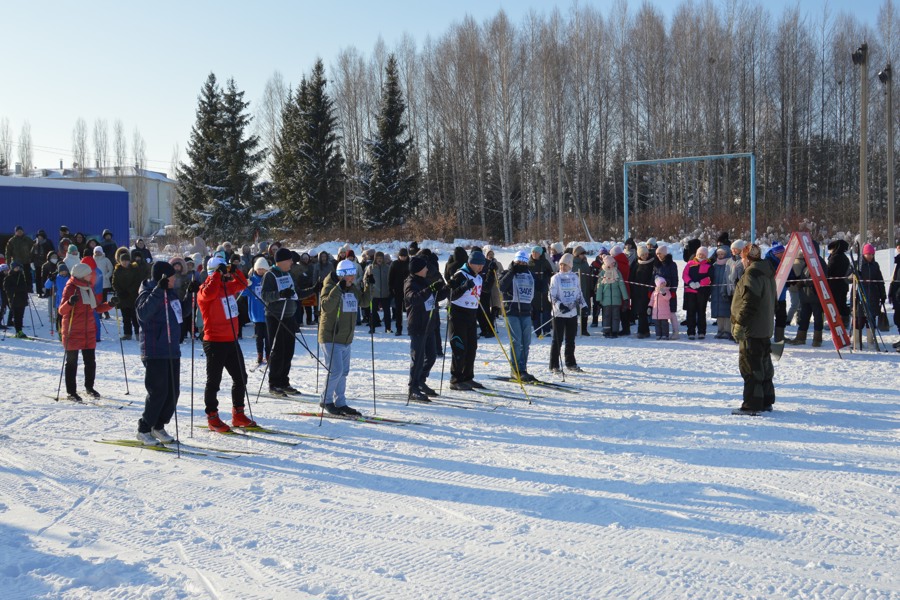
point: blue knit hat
(477, 258)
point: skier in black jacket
(423, 318)
(837, 270)
(397, 274)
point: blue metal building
(47, 203)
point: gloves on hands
(370, 278)
(345, 285)
(437, 285)
(113, 301)
(73, 299)
(163, 283)
(694, 285)
(565, 308)
(739, 333)
(286, 293)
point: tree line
(509, 127)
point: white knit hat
(346, 267)
(81, 271)
(261, 263)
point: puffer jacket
(753, 305)
(78, 327)
(668, 270)
(837, 270)
(422, 312)
(16, 287)
(611, 290)
(720, 302)
(381, 287)
(127, 284)
(215, 307)
(18, 249)
(156, 341)
(337, 315)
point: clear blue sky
(144, 62)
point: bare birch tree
(101, 145)
(26, 149)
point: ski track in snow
(641, 486)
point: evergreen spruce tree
(320, 153)
(200, 179)
(391, 185)
(235, 215)
(287, 176)
(218, 193)
(307, 161)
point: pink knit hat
(868, 249)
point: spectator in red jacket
(79, 328)
(218, 307)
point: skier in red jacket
(218, 307)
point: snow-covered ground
(641, 485)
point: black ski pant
(807, 310)
(695, 305)
(755, 363)
(385, 305)
(90, 369)
(564, 328)
(484, 322)
(18, 317)
(463, 342)
(162, 380)
(422, 357)
(129, 320)
(781, 313)
(224, 356)
(282, 350)
(261, 330)
(639, 306)
(399, 313)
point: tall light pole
(860, 57)
(885, 78)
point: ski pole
(40, 320)
(237, 348)
(272, 349)
(122, 351)
(296, 339)
(491, 325)
(446, 339)
(65, 349)
(318, 312)
(31, 316)
(509, 334)
(193, 328)
(372, 338)
(171, 373)
(329, 358)
(541, 326)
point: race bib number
(350, 303)
(176, 308)
(284, 282)
(257, 289)
(229, 305)
(525, 292)
(429, 304)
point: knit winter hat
(579, 250)
(521, 256)
(19, 228)
(261, 263)
(609, 261)
(540, 250)
(73, 249)
(282, 254)
(738, 245)
(702, 251)
(777, 248)
(662, 249)
(81, 271)
(346, 267)
(558, 247)
(616, 250)
(868, 249)
(477, 258)
(98, 251)
(603, 251)
(214, 263)
(567, 259)
(643, 250)
(413, 247)
(62, 267)
(660, 281)
(161, 269)
(416, 264)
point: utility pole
(860, 57)
(885, 78)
